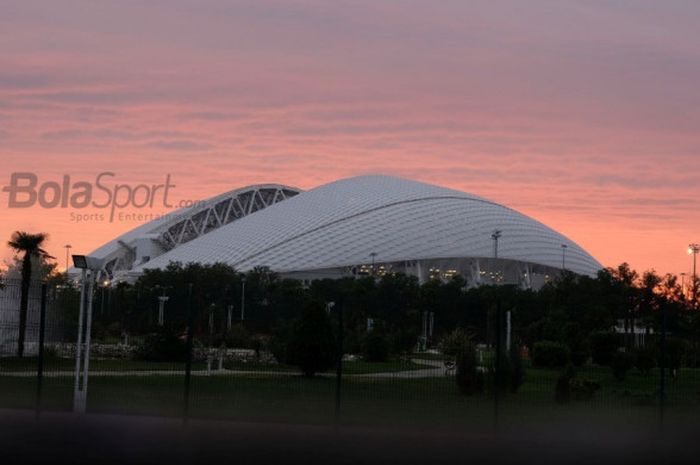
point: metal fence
(194, 373)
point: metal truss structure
(220, 211)
(169, 232)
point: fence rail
(187, 372)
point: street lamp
(161, 308)
(495, 236)
(563, 256)
(693, 250)
(67, 247)
(105, 284)
(373, 255)
(82, 362)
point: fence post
(40, 361)
(188, 356)
(662, 367)
(339, 365)
(497, 366)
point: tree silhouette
(31, 246)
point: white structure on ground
(355, 226)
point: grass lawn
(10, 364)
(427, 402)
(13, 364)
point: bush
(604, 344)
(621, 363)
(454, 343)
(675, 351)
(278, 344)
(517, 370)
(402, 341)
(569, 388)
(163, 346)
(469, 380)
(580, 352)
(584, 389)
(500, 379)
(644, 361)
(375, 347)
(312, 346)
(549, 354)
(562, 393)
(238, 337)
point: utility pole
(563, 256)
(495, 236)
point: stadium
(366, 225)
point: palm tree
(30, 245)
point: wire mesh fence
(139, 366)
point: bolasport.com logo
(104, 192)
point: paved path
(436, 369)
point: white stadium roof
(338, 225)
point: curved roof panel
(341, 223)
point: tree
(312, 345)
(31, 246)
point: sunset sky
(582, 114)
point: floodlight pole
(563, 256)
(495, 236)
(82, 362)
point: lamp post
(373, 255)
(88, 267)
(693, 250)
(563, 256)
(495, 236)
(105, 285)
(161, 308)
(67, 247)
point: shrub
(621, 363)
(375, 347)
(469, 380)
(674, 353)
(312, 346)
(644, 361)
(549, 354)
(278, 344)
(455, 342)
(569, 388)
(402, 341)
(604, 344)
(163, 346)
(238, 337)
(500, 378)
(517, 370)
(584, 389)
(562, 393)
(580, 352)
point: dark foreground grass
(426, 403)
(14, 364)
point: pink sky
(582, 114)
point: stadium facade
(351, 227)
